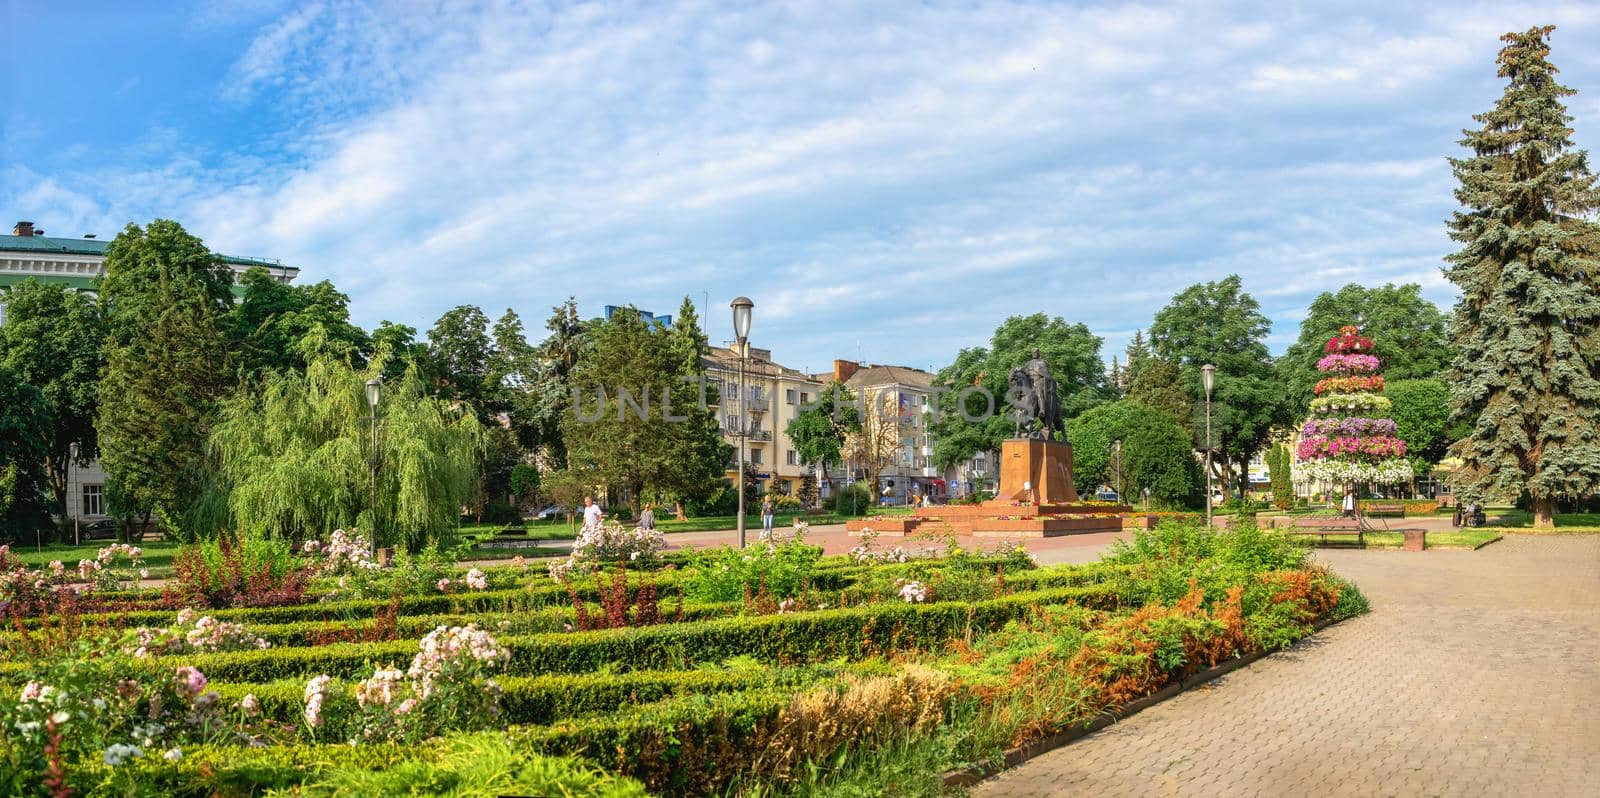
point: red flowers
(1349, 341)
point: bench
(1394, 509)
(1323, 527)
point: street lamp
(1116, 450)
(1208, 375)
(372, 405)
(741, 332)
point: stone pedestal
(1416, 539)
(1037, 472)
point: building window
(755, 456)
(793, 457)
(805, 398)
(790, 395)
(93, 500)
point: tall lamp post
(1116, 450)
(1208, 375)
(372, 405)
(741, 333)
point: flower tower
(1350, 439)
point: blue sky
(888, 180)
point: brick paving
(1476, 673)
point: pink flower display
(1350, 449)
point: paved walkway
(1475, 674)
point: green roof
(93, 246)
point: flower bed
(796, 660)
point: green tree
(1138, 354)
(525, 485)
(550, 400)
(1160, 385)
(1421, 413)
(1155, 452)
(25, 430)
(53, 340)
(396, 347)
(166, 366)
(695, 452)
(1408, 333)
(294, 456)
(1279, 463)
(1527, 326)
(631, 444)
(1219, 323)
(1074, 357)
(820, 430)
(459, 361)
(272, 325)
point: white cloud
(907, 179)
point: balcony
(760, 436)
(758, 404)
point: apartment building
(912, 471)
(772, 398)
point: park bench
(1323, 527)
(1387, 508)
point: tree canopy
(294, 456)
(1074, 357)
(24, 446)
(1155, 452)
(166, 366)
(53, 339)
(1421, 413)
(1527, 326)
(1219, 323)
(819, 431)
(1408, 331)
(271, 327)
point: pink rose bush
(1347, 364)
(447, 687)
(193, 633)
(606, 543)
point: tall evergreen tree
(558, 357)
(696, 451)
(1138, 353)
(166, 366)
(53, 339)
(1527, 327)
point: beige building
(912, 470)
(773, 397)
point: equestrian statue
(1035, 406)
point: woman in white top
(591, 513)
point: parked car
(547, 513)
(1106, 495)
(104, 529)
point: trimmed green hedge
(543, 699)
(850, 633)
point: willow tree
(295, 456)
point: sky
(886, 181)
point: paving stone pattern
(1476, 673)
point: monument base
(1036, 500)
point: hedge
(850, 633)
(551, 697)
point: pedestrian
(766, 515)
(647, 518)
(592, 514)
(1349, 504)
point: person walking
(592, 514)
(1349, 504)
(766, 516)
(647, 518)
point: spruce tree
(166, 366)
(697, 454)
(1527, 327)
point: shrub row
(850, 633)
(543, 699)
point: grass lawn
(1458, 539)
(157, 555)
(1566, 523)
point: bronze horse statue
(1032, 392)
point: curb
(1013, 757)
